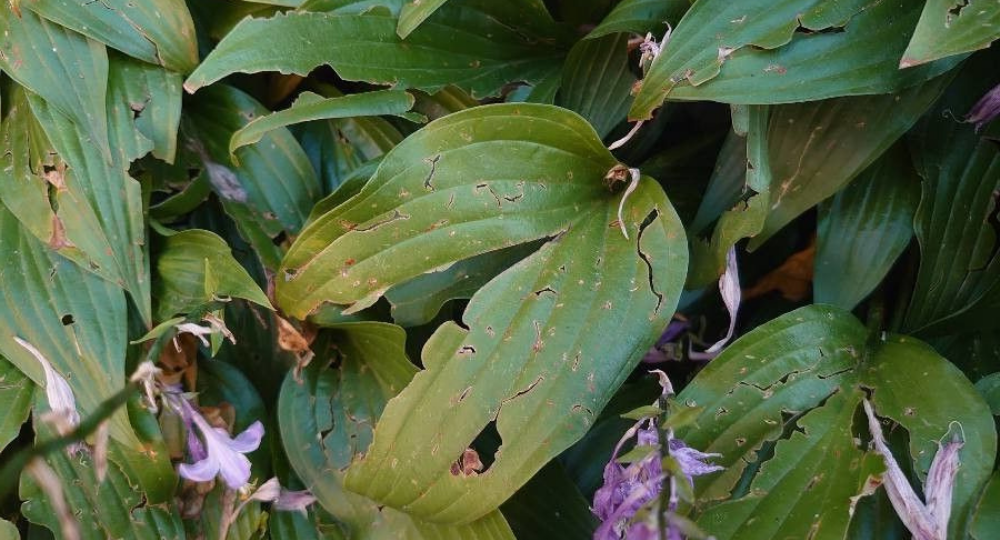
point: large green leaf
(156, 31)
(43, 57)
(958, 284)
(948, 27)
(550, 506)
(310, 106)
(864, 229)
(144, 104)
(328, 417)
(423, 199)
(477, 45)
(112, 508)
(641, 16)
(786, 51)
(74, 318)
(538, 172)
(8, 531)
(816, 148)
(195, 267)
(271, 187)
(77, 321)
(596, 81)
(780, 407)
(15, 401)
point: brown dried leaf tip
(468, 464)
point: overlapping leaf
(959, 278)
(112, 508)
(760, 52)
(309, 106)
(864, 229)
(641, 16)
(460, 187)
(816, 148)
(271, 188)
(596, 81)
(477, 45)
(195, 268)
(948, 27)
(156, 31)
(780, 403)
(343, 405)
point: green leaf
(310, 106)
(101, 204)
(475, 44)
(415, 12)
(15, 401)
(816, 148)
(419, 300)
(195, 267)
(528, 188)
(641, 16)
(144, 102)
(8, 531)
(726, 185)
(156, 31)
(986, 520)
(958, 284)
(759, 52)
(597, 82)
(42, 57)
(342, 404)
(747, 217)
(112, 508)
(948, 27)
(863, 229)
(989, 387)
(780, 406)
(271, 189)
(74, 318)
(423, 199)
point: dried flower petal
(57, 391)
(925, 522)
(294, 501)
(729, 287)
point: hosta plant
(482, 269)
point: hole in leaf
(67, 319)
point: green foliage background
(424, 190)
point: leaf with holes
(77, 321)
(477, 45)
(780, 406)
(864, 229)
(757, 52)
(112, 508)
(948, 27)
(460, 187)
(326, 419)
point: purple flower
(658, 353)
(627, 489)
(986, 109)
(215, 452)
